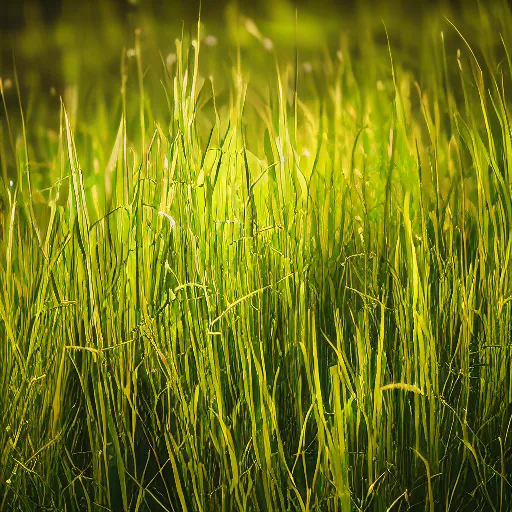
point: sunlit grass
(240, 278)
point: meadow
(257, 263)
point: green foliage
(238, 279)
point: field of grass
(257, 264)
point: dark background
(13, 13)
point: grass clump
(260, 282)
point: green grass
(258, 277)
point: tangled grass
(284, 287)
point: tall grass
(270, 289)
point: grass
(272, 274)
